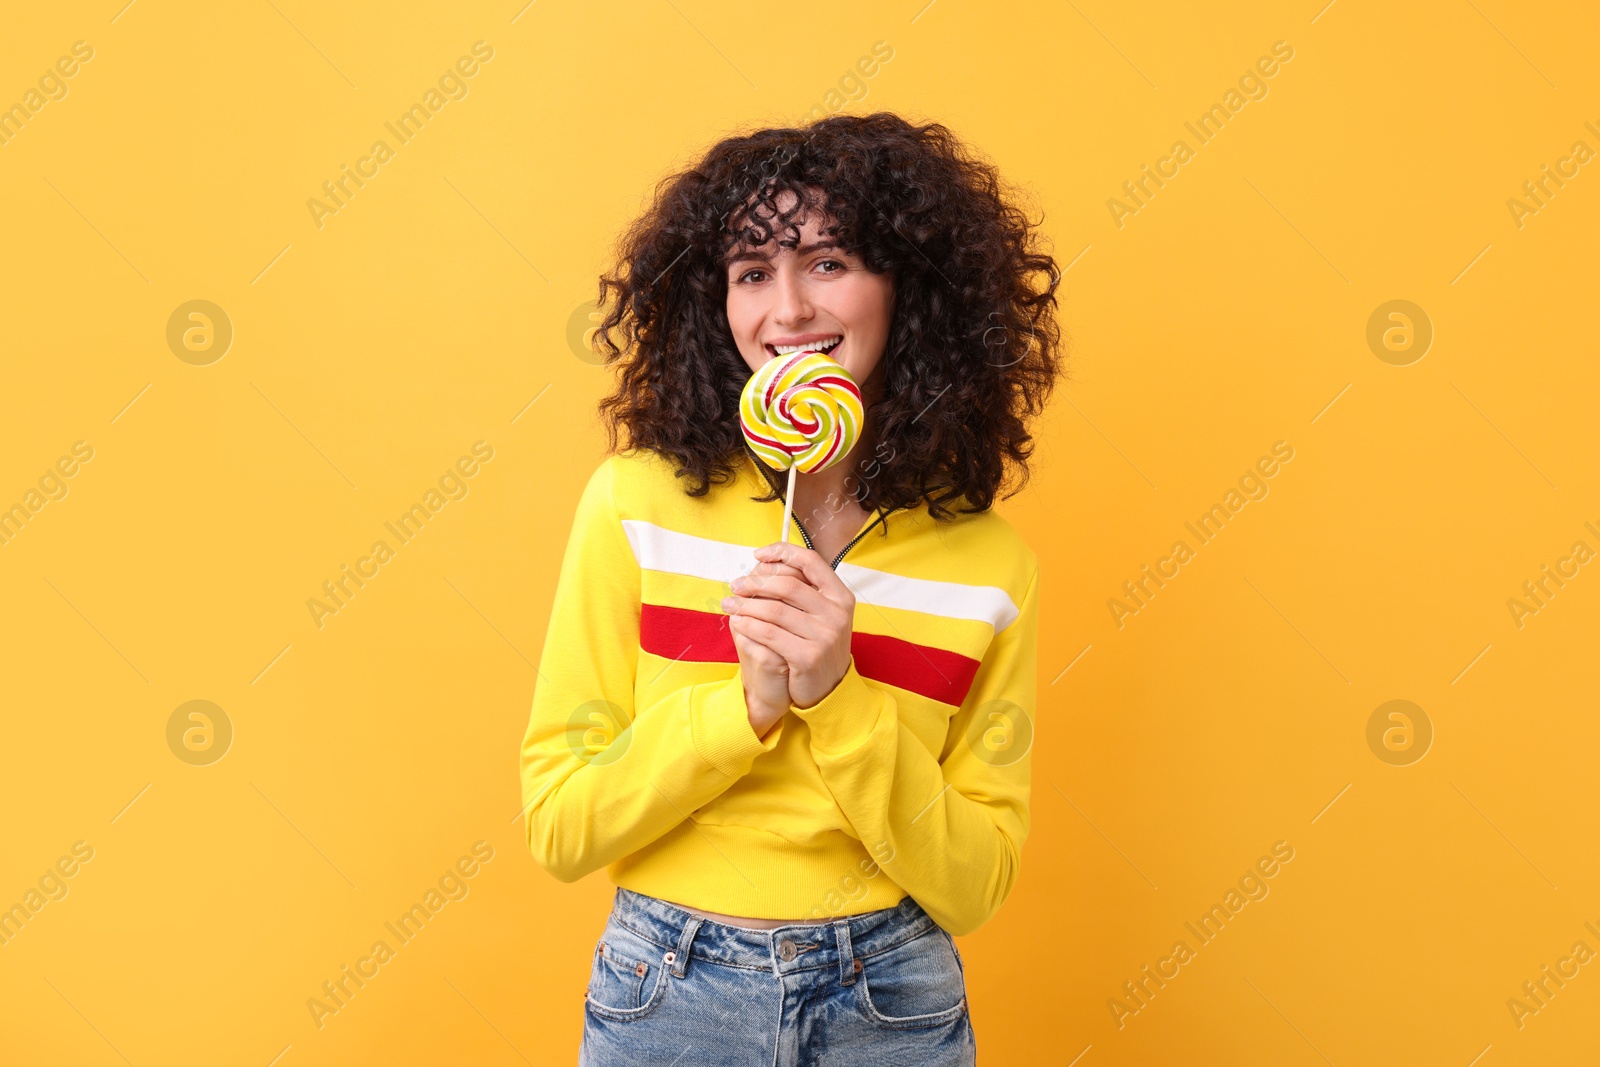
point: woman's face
(781, 299)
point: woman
(805, 765)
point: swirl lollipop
(800, 412)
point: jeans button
(786, 950)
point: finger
(757, 657)
(756, 581)
(756, 653)
(772, 569)
(796, 592)
(816, 571)
(776, 612)
(775, 637)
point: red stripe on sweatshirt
(704, 637)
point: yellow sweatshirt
(910, 777)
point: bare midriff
(752, 924)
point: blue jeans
(885, 988)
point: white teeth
(814, 346)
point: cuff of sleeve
(842, 721)
(719, 723)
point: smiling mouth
(825, 347)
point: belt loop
(679, 959)
(848, 964)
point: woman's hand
(766, 682)
(796, 606)
(765, 672)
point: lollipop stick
(788, 503)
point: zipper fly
(806, 536)
(835, 564)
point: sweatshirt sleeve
(600, 777)
(949, 829)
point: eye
(835, 262)
(743, 277)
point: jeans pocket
(628, 976)
(916, 984)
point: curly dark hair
(973, 349)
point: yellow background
(368, 354)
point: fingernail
(737, 585)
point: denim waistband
(835, 943)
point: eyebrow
(815, 246)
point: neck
(823, 495)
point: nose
(793, 304)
